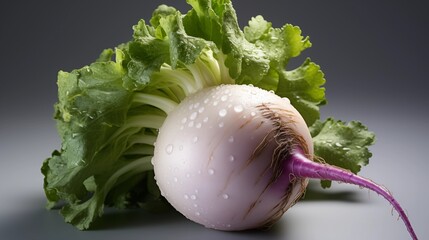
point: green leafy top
(342, 144)
(108, 112)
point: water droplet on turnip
(286, 100)
(210, 171)
(222, 112)
(238, 108)
(169, 149)
(193, 116)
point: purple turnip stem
(300, 166)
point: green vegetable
(108, 112)
(342, 144)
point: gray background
(374, 55)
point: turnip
(228, 155)
(235, 157)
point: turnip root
(236, 157)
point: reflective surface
(343, 212)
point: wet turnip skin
(214, 160)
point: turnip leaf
(303, 87)
(342, 144)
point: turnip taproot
(236, 157)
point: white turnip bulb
(236, 157)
